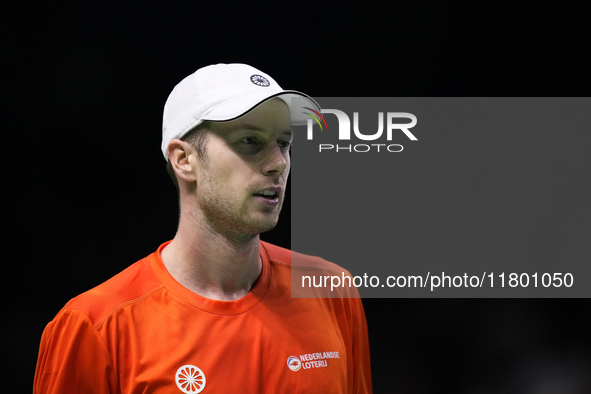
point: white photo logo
(345, 130)
(190, 379)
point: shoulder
(312, 276)
(132, 284)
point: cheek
(288, 167)
(233, 176)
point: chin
(267, 227)
(263, 226)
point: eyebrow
(255, 128)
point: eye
(284, 145)
(248, 141)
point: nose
(276, 160)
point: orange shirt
(142, 332)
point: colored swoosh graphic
(315, 118)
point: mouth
(269, 195)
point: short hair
(197, 138)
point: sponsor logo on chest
(311, 360)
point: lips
(269, 195)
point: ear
(182, 158)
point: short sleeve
(73, 358)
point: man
(211, 310)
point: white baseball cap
(223, 92)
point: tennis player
(211, 310)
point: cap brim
(239, 106)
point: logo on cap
(259, 80)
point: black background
(86, 194)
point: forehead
(271, 116)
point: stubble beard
(231, 217)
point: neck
(214, 265)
